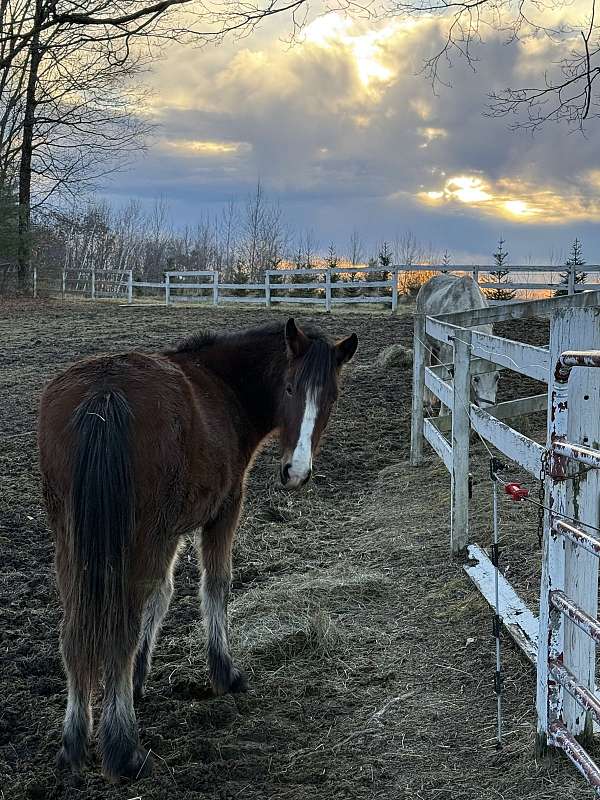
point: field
(369, 654)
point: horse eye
(289, 390)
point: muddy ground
(369, 653)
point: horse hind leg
(155, 610)
(215, 551)
(122, 754)
(77, 726)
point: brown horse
(136, 451)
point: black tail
(101, 525)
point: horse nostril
(285, 472)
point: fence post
(459, 504)
(93, 284)
(571, 279)
(130, 286)
(34, 281)
(267, 289)
(394, 291)
(64, 284)
(581, 567)
(328, 290)
(418, 390)
(215, 288)
(167, 288)
(570, 567)
(549, 697)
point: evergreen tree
(500, 274)
(332, 258)
(332, 261)
(574, 260)
(384, 259)
(239, 274)
(446, 261)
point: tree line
(242, 241)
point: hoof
(239, 682)
(139, 692)
(139, 765)
(66, 761)
(234, 683)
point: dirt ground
(369, 654)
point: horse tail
(100, 533)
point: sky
(345, 134)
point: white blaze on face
(301, 461)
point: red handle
(516, 492)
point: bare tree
(355, 249)
(59, 64)
(252, 227)
(228, 233)
(309, 248)
(408, 251)
(158, 236)
(567, 86)
(65, 110)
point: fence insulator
(516, 492)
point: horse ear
(296, 341)
(345, 349)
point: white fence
(327, 288)
(561, 641)
(315, 286)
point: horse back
(183, 441)
(444, 294)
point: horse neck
(254, 369)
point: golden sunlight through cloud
(514, 200)
(333, 30)
(206, 148)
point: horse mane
(207, 338)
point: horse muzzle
(293, 479)
(482, 402)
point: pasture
(368, 652)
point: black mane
(200, 341)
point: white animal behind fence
(448, 293)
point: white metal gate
(561, 641)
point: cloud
(514, 200)
(346, 133)
(194, 148)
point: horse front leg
(214, 550)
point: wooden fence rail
(316, 286)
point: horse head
(309, 393)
